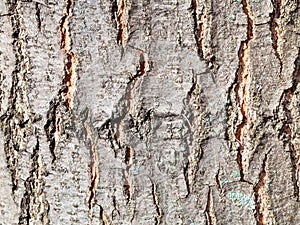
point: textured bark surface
(150, 112)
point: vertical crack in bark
(70, 58)
(115, 143)
(34, 206)
(287, 129)
(16, 122)
(144, 66)
(198, 26)
(38, 15)
(156, 203)
(93, 168)
(196, 129)
(186, 178)
(103, 217)
(122, 21)
(217, 178)
(242, 88)
(263, 214)
(274, 27)
(211, 219)
(52, 127)
(129, 155)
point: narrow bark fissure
(114, 12)
(289, 109)
(70, 58)
(52, 127)
(103, 216)
(38, 15)
(156, 203)
(186, 178)
(242, 88)
(127, 188)
(111, 136)
(262, 197)
(120, 13)
(54, 114)
(94, 171)
(144, 67)
(129, 157)
(116, 210)
(210, 217)
(195, 154)
(274, 27)
(217, 178)
(16, 122)
(138, 121)
(198, 26)
(34, 206)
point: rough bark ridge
(149, 112)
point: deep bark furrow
(211, 220)
(17, 120)
(242, 88)
(34, 206)
(262, 198)
(94, 164)
(103, 217)
(111, 136)
(38, 15)
(193, 116)
(129, 157)
(122, 20)
(186, 170)
(274, 27)
(52, 127)
(287, 129)
(144, 66)
(138, 137)
(70, 57)
(198, 26)
(156, 203)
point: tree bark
(150, 112)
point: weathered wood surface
(150, 112)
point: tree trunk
(150, 112)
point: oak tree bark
(150, 112)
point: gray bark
(149, 112)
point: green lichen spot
(156, 104)
(223, 181)
(241, 199)
(231, 17)
(235, 174)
